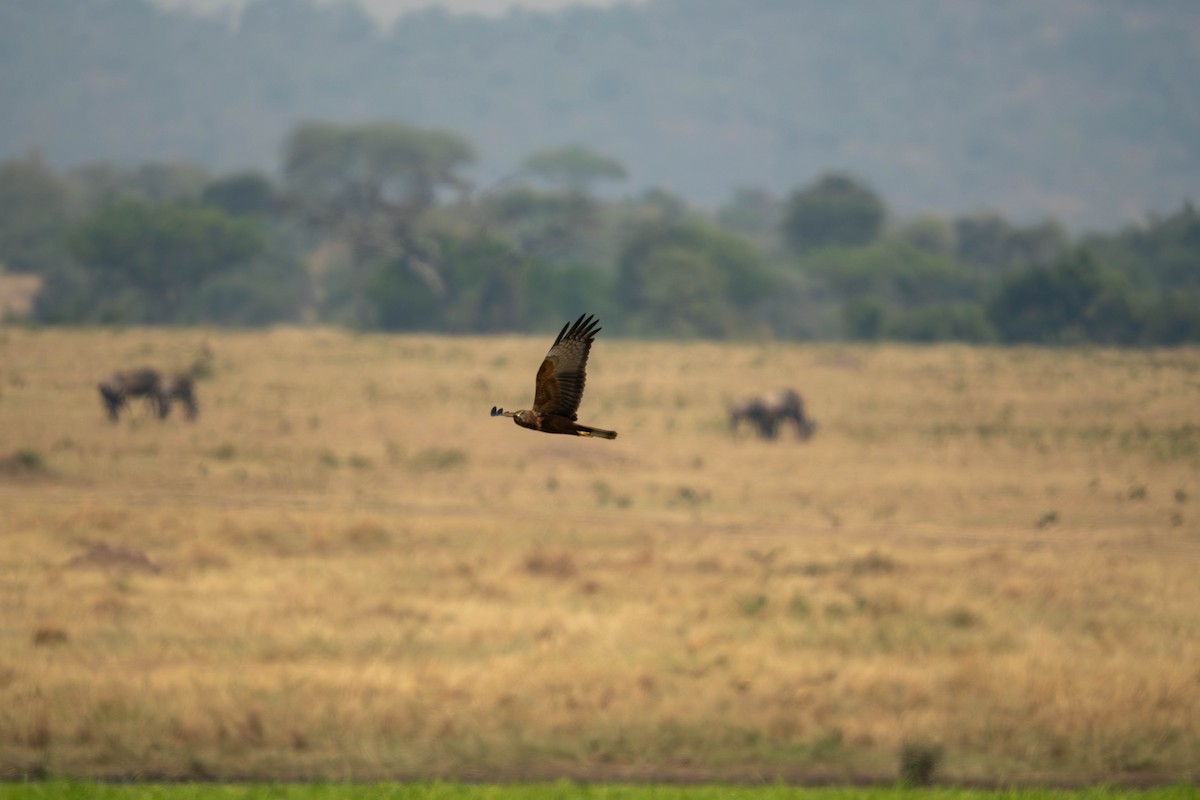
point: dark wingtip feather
(583, 329)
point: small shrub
(918, 763)
(48, 634)
(836, 610)
(605, 495)
(751, 604)
(872, 562)
(38, 734)
(23, 462)
(438, 458)
(1047, 519)
(961, 617)
(30, 459)
(199, 769)
(39, 771)
(550, 563)
(798, 606)
(689, 497)
(828, 744)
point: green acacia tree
(35, 212)
(368, 186)
(241, 195)
(836, 210)
(354, 170)
(688, 278)
(896, 272)
(1073, 300)
(574, 168)
(142, 262)
(558, 219)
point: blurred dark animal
(124, 384)
(767, 411)
(182, 389)
(148, 384)
(558, 387)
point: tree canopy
(160, 252)
(836, 210)
(574, 167)
(370, 226)
(35, 211)
(358, 168)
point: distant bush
(1073, 301)
(438, 458)
(750, 604)
(918, 763)
(1175, 319)
(22, 462)
(550, 563)
(224, 452)
(834, 210)
(957, 323)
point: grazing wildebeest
(766, 411)
(149, 384)
(182, 389)
(124, 384)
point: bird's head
(526, 419)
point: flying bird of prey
(559, 385)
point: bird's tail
(599, 433)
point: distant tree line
(920, 94)
(376, 226)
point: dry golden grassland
(346, 569)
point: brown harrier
(559, 386)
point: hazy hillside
(1083, 110)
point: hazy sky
(386, 11)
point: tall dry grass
(345, 568)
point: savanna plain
(984, 562)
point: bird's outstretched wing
(560, 379)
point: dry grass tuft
(550, 563)
(49, 633)
(117, 558)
